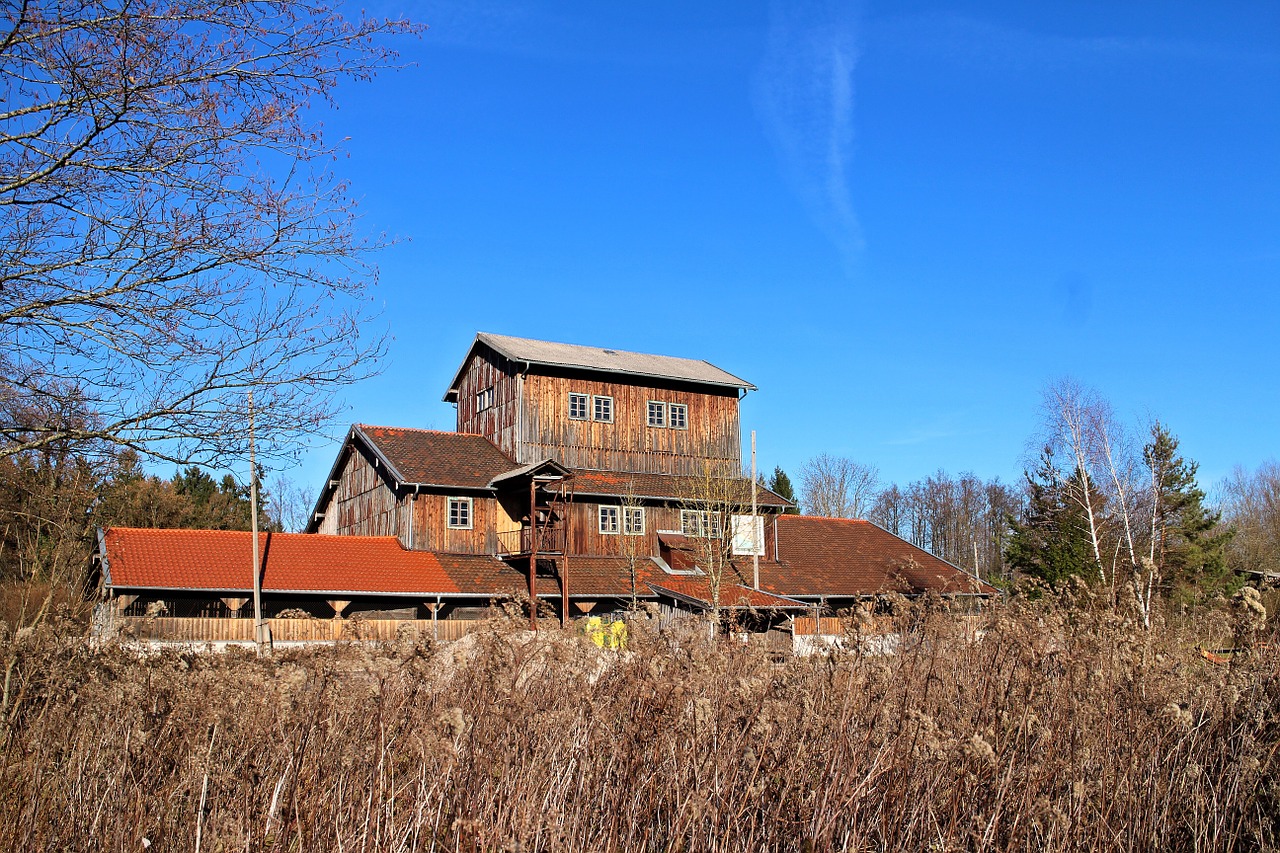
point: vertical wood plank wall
(628, 443)
(587, 538)
(431, 531)
(530, 421)
(488, 369)
(363, 503)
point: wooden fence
(171, 629)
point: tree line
(1114, 503)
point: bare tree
(289, 504)
(171, 233)
(838, 487)
(713, 499)
(1251, 505)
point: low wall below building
(169, 629)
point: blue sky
(900, 221)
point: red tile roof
(431, 458)
(850, 557)
(222, 560)
(665, 486)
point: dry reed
(1048, 728)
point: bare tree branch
(171, 234)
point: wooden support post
(533, 554)
(234, 604)
(338, 606)
(564, 569)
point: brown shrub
(1057, 728)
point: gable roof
(222, 561)
(576, 356)
(424, 457)
(419, 457)
(851, 557)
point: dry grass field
(1043, 727)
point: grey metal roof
(604, 360)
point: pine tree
(780, 485)
(1188, 543)
(1050, 540)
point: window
(679, 416)
(609, 519)
(577, 407)
(484, 400)
(633, 520)
(696, 522)
(603, 410)
(748, 535)
(657, 414)
(460, 513)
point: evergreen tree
(780, 485)
(1050, 539)
(1188, 544)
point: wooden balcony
(519, 543)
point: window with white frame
(577, 407)
(633, 520)
(460, 513)
(657, 414)
(484, 400)
(697, 522)
(609, 519)
(678, 416)
(602, 409)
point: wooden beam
(234, 604)
(338, 606)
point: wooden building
(590, 478)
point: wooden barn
(588, 479)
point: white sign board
(748, 538)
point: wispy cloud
(804, 94)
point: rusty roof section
(425, 457)
(599, 359)
(667, 487)
(222, 561)
(851, 557)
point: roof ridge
(828, 518)
(206, 530)
(426, 430)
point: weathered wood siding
(628, 443)
(488, 369)
(586, 538)
(363, 504)
(431, 530)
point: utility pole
(258, 639)
(756, 546)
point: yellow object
(606, 635)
